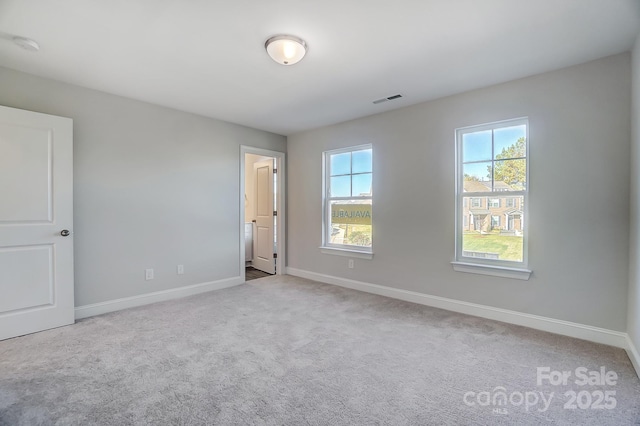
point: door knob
(65, 233)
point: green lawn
(507, 246)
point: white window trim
(341, 249)
(493, 270)
(506, 269)
(358, 254)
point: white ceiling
(207, 56)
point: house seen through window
(492, 172)
(348, 198)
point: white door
(36, 210)
(263, 238)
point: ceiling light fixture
(26, 43)
(286, 49)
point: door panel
(26, 158)
(35, 283)
(36, 193)
(262, 190)
(263, 240)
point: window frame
(503, 268)
(327, 247)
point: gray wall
(633, 320)
(579, 194)
(153, 188)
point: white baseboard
(634, 355)
(565, 328)
(158, 296)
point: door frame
(280, 205)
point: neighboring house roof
(477, 186)
(502, 185)
(479, 211)
(485, 185)
(513, 212)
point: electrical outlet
(180, 269)
(148, 274)
(351, 263)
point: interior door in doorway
(263, 256)
(36, 219)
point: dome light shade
(286, 49)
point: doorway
(262, 213)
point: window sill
(346, 252)
(496, 271)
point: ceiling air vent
(390, 98)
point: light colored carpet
(283, 350)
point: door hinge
(275, 170)
(275, 213)
(275, 255)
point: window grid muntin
(492, 127)
(461, 195)
(328, 198)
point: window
(492, 158)
(348, 199)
